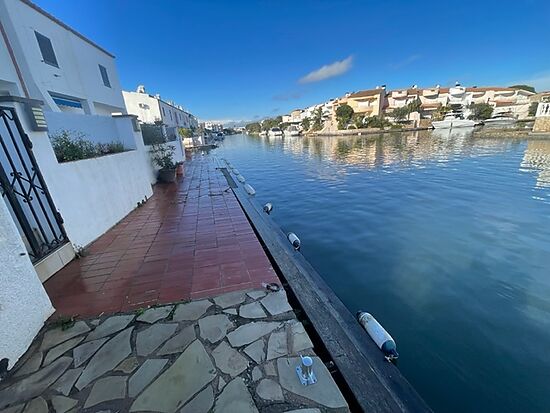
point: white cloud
(540, 81)
(405, 62)
(327, 71)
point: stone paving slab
(206, 360)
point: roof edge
(59, 22)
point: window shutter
(46, 48)
(104, 76)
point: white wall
(149, 112)
(99, 129)
(9, 81)
(24, 305)
(92, 195)
(78, 74)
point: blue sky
(234, 60)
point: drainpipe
(14, 60)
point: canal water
(445, 238)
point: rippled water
(443, 237)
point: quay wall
(542, 124)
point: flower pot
(167, 175)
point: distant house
(153, 109)
(504, 99)
(367, 102)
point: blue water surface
(442, 236)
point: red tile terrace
(190, 240)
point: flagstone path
(235, 353)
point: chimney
(140, 89)
(157, 96)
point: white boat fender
(268, 208)
(236, 171)
(294, 240)
(379, 335)
(249, 189)
(241, 179)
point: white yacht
(275, 132)
(454, 120)
(292, 130)
(500, 119)
(263, 134)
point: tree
(401, 113)
(357, 120)
(269, 123)
(306, 124)
(524, 87)
(533, 108)
(414, 106)
(343, 115)
(253, 127)
(185, 133)
(377, 122)
(480, 111)
(440, 112)
(317, 120)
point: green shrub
(163, 156)
(377, 122)
(71, 146)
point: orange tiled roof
(365, 93)
(488, 88)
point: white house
(153, 109)
(53, 79)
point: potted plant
(162, 155)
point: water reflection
(412, 149)
(537, 157)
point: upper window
(104, 76)
(46, 48)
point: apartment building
(369, 102)
(153, 109)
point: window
(67, 104)
(104, 76)
(163, 111)
(46, 48)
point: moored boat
(454, 120)
(500, 119)
(292, 130)
(275, 132)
